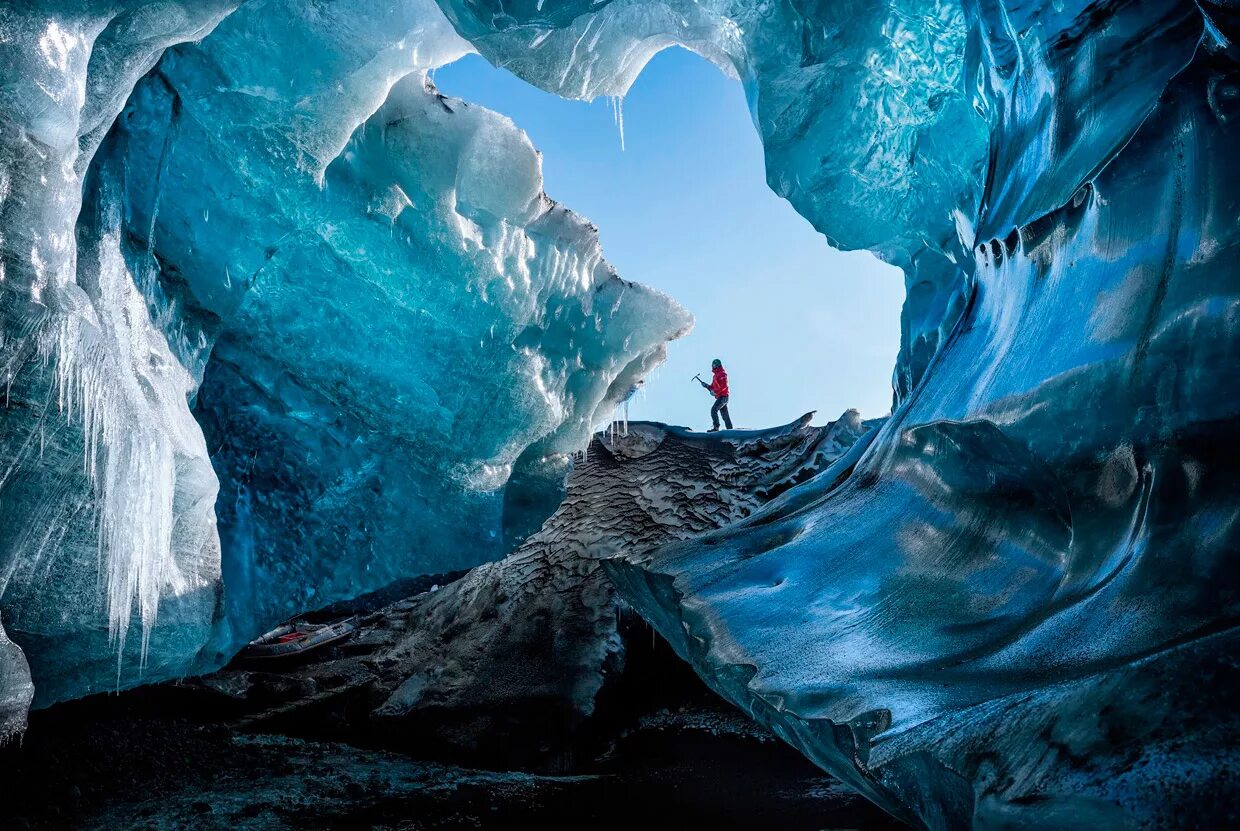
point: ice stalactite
(131, 467)
(96, 440)
(617, 114)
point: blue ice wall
(358, 284)
(108, 543)
(1016, 607)
(398, 325)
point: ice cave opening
(200, 234)
(673, 176)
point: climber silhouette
(718, 387)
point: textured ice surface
(1015, 608)
(404, 313)
(16, 690)
(359, 284)
(106, 491)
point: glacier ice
(387, 437)
(357, 283)
(1012, 606)
(16, 689)
(938, 617)
(100, 458)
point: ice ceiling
(272, 308)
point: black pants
(720, 408)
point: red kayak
(297, 638)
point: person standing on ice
(718, 387)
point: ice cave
(320, 506)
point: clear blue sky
(685, 208)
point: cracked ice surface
(359, 284)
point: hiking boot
(713, 430)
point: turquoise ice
(279, 323)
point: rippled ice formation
(357, 285)
(1015, 606)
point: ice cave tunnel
(257, 272)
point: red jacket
(719, 384)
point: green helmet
(716, 364)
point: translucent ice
(1013, 606)
(1016, 606)
(404, 315)
(359, 283)
(105, 488)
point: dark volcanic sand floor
(117, 762)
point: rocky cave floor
(172, 756)
(102, 765)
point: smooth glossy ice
(1016, 608)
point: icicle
(617, 116)
(131, 466)
(620, 120)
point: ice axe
(698, 378)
